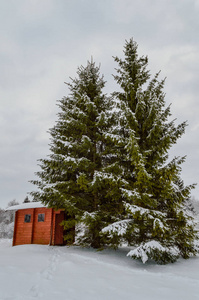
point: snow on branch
(153, 250)
(106, 176)
(119, 227)
(88, 215)
(70, 159)
(114, 137)
(130, 193)
(134, 208)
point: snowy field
(52, 273)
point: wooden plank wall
(23, 231)
(41, 230)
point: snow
(25, 206)
(30, 272)
(129, 193)
(98, 175)
(134, 208)
(119, 227)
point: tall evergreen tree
(77, 174)
(153, 195)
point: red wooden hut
(37, 224)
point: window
(27, 218)
(41, 217)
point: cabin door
(59, 231)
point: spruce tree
(26, 200)
(77, 174)
(153, 195)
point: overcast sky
(44, 41)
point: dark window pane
(27, 218)
(41, 217)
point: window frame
(41, 217)
(27, 218)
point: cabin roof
(26, 205)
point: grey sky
(44, 41)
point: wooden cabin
(37, 224)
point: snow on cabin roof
(26, 205)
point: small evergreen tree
(155, 219)
(26, 200)
(77, 174)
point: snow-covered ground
(54, 273)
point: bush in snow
(7, 221)
(6, 230)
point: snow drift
(41, 272)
